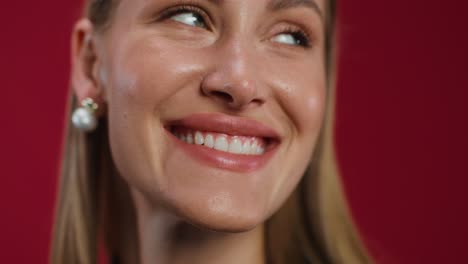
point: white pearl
(84, 119)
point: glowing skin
(152, 68)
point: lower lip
(225, 160)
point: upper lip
(225, 124)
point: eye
(293, 37)
(188, 15)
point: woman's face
(214, 107)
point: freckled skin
(159, 71)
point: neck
(166, 239)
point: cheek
(311, 110)
(309, 103)
(145, 77)
(302, 96)
(146, 72)
(137, 79)
(303, 100)
(307, 110)
(138, 83)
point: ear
(85, 64)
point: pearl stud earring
(84, 118)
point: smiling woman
(202, 133)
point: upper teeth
(222, 142)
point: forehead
(316, 5)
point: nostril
(223, 96)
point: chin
(226, 223)
(221, 214)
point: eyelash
(186, 9)
(300, 35)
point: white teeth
(260, 150)
(189, 139)
(246, 148)
(235, 146)
(199, 140)
(253, 147)
(221, 144)
(209, 141)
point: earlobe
(84, 63)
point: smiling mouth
(234, 135)
(241, 145)
(226, 142)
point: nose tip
(233, 78)
(234, 93)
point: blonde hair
(94, 205)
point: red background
(401, 124)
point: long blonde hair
(94, 205)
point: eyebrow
(276, 5)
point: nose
(233, 82)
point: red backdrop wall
(401, 124)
